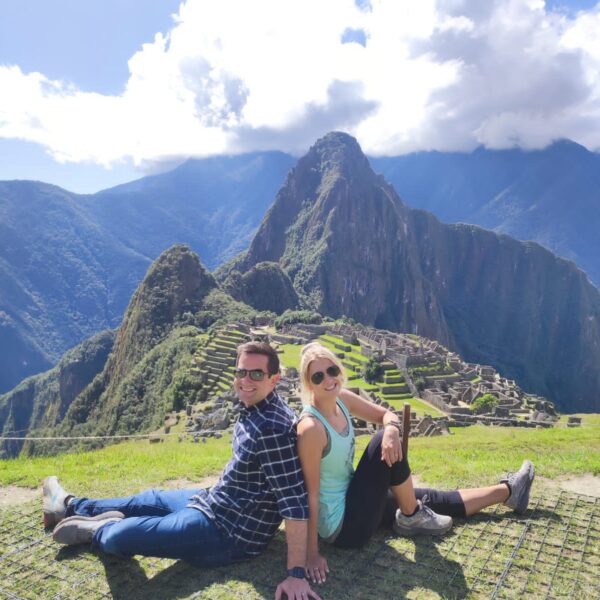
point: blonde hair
(310, 353)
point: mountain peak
(175, 283)
(339, 153)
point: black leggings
(370, 504)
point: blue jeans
(158, 523)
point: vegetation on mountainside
(149, 371)
(485, 404)
(372, 371)
(154, 386)
(219, 308)
(266, 286)
(291, 316)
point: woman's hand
(316, 567)
(391, 448)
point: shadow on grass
(377, 571)
(129, 578)
(396, 568)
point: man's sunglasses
(318, 377)
(255, 374)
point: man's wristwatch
(299, 572)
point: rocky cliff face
(351, 247)
(517, 306)
(550, 196)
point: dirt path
(588, 484)
(13, 495)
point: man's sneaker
(423, 521)
(54, 501)
(80, 530)
(520, 485)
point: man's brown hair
(264, 349)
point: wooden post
(405, 428)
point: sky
(96, 93)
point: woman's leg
(147, 503)
(476, 499)
(367, 494)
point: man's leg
(187, 534)
(149, 503)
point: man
(232, 521)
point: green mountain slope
(147, 372)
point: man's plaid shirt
(262, 484)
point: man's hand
(391, 447)
(316, 568)
(295, 589)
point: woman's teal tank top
(336, 472)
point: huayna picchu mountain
(351, 247)
(132, 388)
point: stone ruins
(410, 367)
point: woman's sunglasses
(255, 374)
(318, 377)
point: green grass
(132, 465)
(290, 355)
(416, 405)
(468, 456)
(329, 340)
(493, 553)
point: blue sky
(87, 43)
(125, 88)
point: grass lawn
(416, 405)
(552, 550)
(290, 357)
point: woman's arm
(312, 439)
(391, 447)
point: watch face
(298, 572)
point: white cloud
(235, 76)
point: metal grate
(553, 551)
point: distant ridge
(69, 263)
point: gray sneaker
(423, 521)
(54, 501)
(520, 486)
(80, 530)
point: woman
(346, 506)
